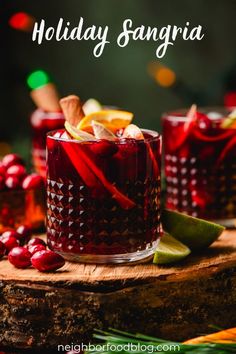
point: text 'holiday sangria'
(200, 164)
(103, 186)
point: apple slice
(132, 131)
(101, 132)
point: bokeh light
(163, 75)
(37, 79)
(22, 21)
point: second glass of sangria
(200, 163)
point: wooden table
(39, 310)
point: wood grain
(39, 310)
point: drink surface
(43, 122)
(103, 196)
(200, 165)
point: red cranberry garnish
(12, 159)
(12, 182)
(20, 257)
(104, 148)
(36, 248)
(2, 183)
(2, 249)
(18, 171)
(10, 242)
(47, 260)
(24, 232)
(36, 241)
(32, 181)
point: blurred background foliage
(204, 70)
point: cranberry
(32, 181)
(36, 248)
(24, 232)
(36, 241)
(2, 249)
(12, 159)
(46, 261)
(12, 182)
(104, 148)
(18, 171)
(10, 242)
(10, 233)
(20, 257)
(2, 183)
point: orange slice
(112, 119)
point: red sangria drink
(103, 190)
(200, 168)
(42, 122)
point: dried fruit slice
(170, 250)
(101, 132)
(133, 131)
(78, 134)
(112, 119)
(230, 121)
(91, 106)
(193, 232)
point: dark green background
(204, 69)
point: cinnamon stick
(46, 98)
(72, 109)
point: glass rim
(40, 113)
(180, 114)
(155, 136)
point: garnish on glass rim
(112, 119)
(101, 132)
(78, 134)
(230, 121)
(191, 118)
(46, 98)
(72, 109)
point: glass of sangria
(42, 122)
(200, 164)
(103, 194)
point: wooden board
(39, 310)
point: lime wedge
(101, 132)
(78, 134)
(170, 250)
(193, 232)
(91, 106)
